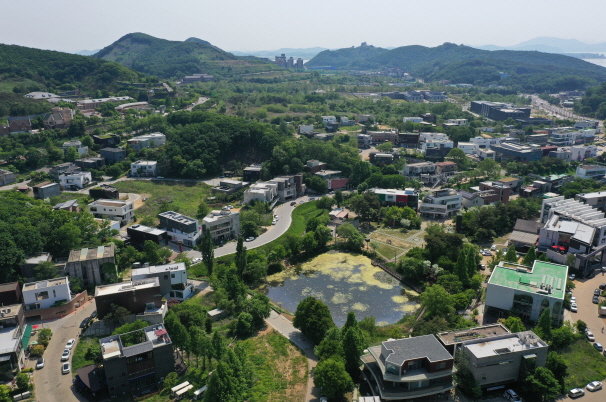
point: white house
(77, 180)
(172, 279)
(144, 169)
(456, 122)
(180, 228)
(114, 210)
(329, 120)
(222, 225)
(412, 119)
(485, 142)
(263, 192)
(591, 171)
(152, 140)
(468, 147)
(46, 293)
(441, 204)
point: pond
(345, 282)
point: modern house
(595, 200)
(90, 163)
(144, 168)
(468, 147)
(135, 363)
(409, 368)
(229, 186)
(10, 293)
(86, 264)
(12, 328)
(252, 173)
(499, 111)
(503, 359)
(525, 234)
(63, 168)
(283, 188)
(223, 225)
(181, 229)
(46, 190)
(77, 145)
(112, 155)
(75, 181)
(441, 204)
(334, 179)
(7, 177)
(403, 198)
(139, 234)
(525, 291)
(104, 191)
(511, 151)
(114, 210)
(133, 295)
(172, 279)
(46, 293)
(262, 192)
(591, 172)
(152, 140)
(452, 340)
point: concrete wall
(52, 313)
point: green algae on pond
(345, 282)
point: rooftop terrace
(544, 278)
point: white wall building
(329, 120)
(180, 228)
(412, 119)
(456, 122)
(423, 137)
(223, 225)
(468, 147)
(172, 279)
(114, 210)
(144, 169)
(77, 180)
(485, 143)
(263, 192)
(591, 171)
(152, 140)
(45, 294)
(441, 204)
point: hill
(463, 64)
(553, 45)
(166, 58)
(28, 69)
(304, 53)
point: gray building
(86, 263)
(7, 177)
(136, 362)
(12, 325)
(113, 155)
(46, 190)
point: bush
(37, 350)
(44, 336)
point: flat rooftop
(110, 203)
(177, 217)
(94, 253)
(147, 229)
(151, 337)
(128, 286)
(45, 284)
(521, 341)
(10, 311)
(155, 269)
(457, 337)
(544, 278)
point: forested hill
(463, 64)
(166, 58)
(35, 69)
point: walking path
(288, 330)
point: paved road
(557, 111)
(286, 329)
(284, 213)
(200, 101)
(50, 384)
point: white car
(70, 344)
(196, 260)
(493, 247)
(594, 386)
(589, 336)
(65, 355)
(571, 277)
(576, 393)
(573, 299)
(274, 222)
(40, 363)
(249, 239)
(65, 368)
(574, 308)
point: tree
(530, 257)
(313, 318)
(44, 336)
(581, 326)
(331, 345)
(385, 147)
(322, 235)
(208, 253)
(244, 325)
(514, 324)
(544, 324)
(178, 332)
(437, 302)
(309, 243)
(332, 378)
(5, 393)
(154, 254)
(354, 239)
(353, 346)
(217, 346)
(561, 337)
(240, 256)
(223, 385)
(339, 198)
(259, 309)
(557, 365)
(325, 203)
(541, 385)
(458, 156)
(511, 255)
(22, 380)
(45, 270)
(203, 210)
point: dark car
(597, 292)
(603, 286)
(293, 203)
(85, 322)
(93, 314)
(596, 300)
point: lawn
(585, 364)
(79, 354)
(179, 197)
(280, 368)
(389, 241)
(83, 199)
(386, 251)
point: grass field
(180, 197)
(280, 368)
(78, 357)
(83, 199)
(388, 241)
(585, 364)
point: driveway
(50, 384)
(284, 212)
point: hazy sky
(70, 25)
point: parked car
(574, 308)
(596, 299)
(65, 355)
(598, 346)
(292, 204)
(40, 363)
(603, 286)
(249, 239)
(573, 299)
(65, 368)
(590, 336)
(571, 277)
(93, 315)
(85, 322)
(512, 396)
(597, 292)
(493, 247)
(486, 253)
(70, 344)
(594, 386)
(274, 222)
(576, 393)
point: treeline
(593, 103)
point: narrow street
(50, 384)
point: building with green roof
(525, 291)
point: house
(524, 291)
(143, 168)
(364, 141)
(452, 340)
(499, 111)
(153, 140)
(132, 295)
(12, 336)
(10, 293)
(381, 158)
(525, 234)
(77, 145)
(456, 122)
(511, 151)
(180, 228)
(345, 121)
(409, 368)
(363, 118)
(314, 165)
(471, 199)
(595, 200)
(425, 172)
(92, 104)
(107, 140)
(485, 141)
(436, 149)
(114, 210)
(143, 105)
(504, 359)
(75, 181)
(20, 124)
(441, 204)
(252, 173)
(188, 79)
(334, 179)
(45, 190)
(86, 264)
(412, 119)
(468, 147)
(228, 186)
(63, 168)
(330, 123)
(104, 191)
(113, 155)
(408, 140)
(261, 192)
(501, 190)
(223, 225)
(307, 129)
(7, 177)
(69, 205)
(172, 279)
(45, 294)
(378, 137)
(591, 172)
(289, 187)
(139, 234)
(135, 363)
(402, 198)
(90, 163)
